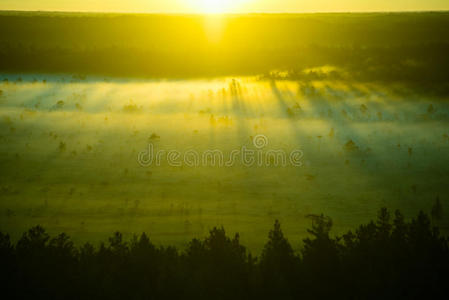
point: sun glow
(217, 6)
(214, 6)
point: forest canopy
(389, 258)
(404, 47)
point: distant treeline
(389, 258)
(410, 47)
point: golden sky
(217, 6)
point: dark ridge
(406, 47)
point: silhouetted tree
(219, 265)
(321, 259)
(278, 265)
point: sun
(217, 6)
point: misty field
(70, 151)
(364, 97)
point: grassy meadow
(365, 97)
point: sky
(224, 6)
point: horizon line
(226, 13)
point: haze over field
(364, 97)
(70, 154)
(224, 149)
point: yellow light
(215, 6)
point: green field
(363, 96)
